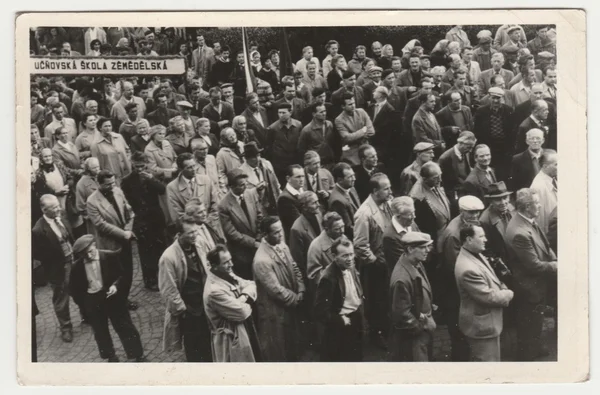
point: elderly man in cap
(514, 38)
(411, 174)
(448, 248)
(403, 210)
(375, 73)
(185, 109)
(494, 127)
(412, 324)
(456, 166)
(502, 36)
(483, 53)
(497, 81)
(511, 53)
(482, 297)
(495, 219)
(261, 176)
(96, 282)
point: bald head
(50, 206)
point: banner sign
(106, 65)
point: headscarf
(410, 45)
(441, 46)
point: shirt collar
(292, 190)
(530, 220)
(397, 226)
(457, 152)
(49, 220)
(535, 119)
(534, 154)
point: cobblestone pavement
(148, 319)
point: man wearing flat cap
(412, 324)
(514, 38)
(375, 73)
(541, 42)
(456, 166)
(261, 176)
(483, 53)
(411, 174)
(454, 118)
(97, 284)
(495, 219)
(482, 297)
(189, 121)
(502, 36)
(497, 61)
(448, 248)
(510, 52)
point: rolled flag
(250, 79)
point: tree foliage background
(348, 37)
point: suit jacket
(361, 185)
(528, 124)
(393, 248)
(259, 130)
(386, 127)
(485, 79)
(301, 235)
(412, 106)
(268, 199)
(227, 160)
(178, 194)
(495, 229)
(107, 227)
(522, 171)
(346, 206)
(482, 297)
(427, 130)
(454, 172)
(202, 61)
(324, 183)
(70, 158)
(476, 183)
(319, 256)
(542, 184)
(329, 300)
(111, 272)
(46, 248)
(227, 113)
(432, 214)
(338, 101)
(446, 122)
(369, 224)
(531, 260)
(288, 209)
(241, 233)
(468, 95)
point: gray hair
(524, 198)
(382, 90)
(88, 162)
(465, 136)
(401, 204)
(304, 196)
(330, 218)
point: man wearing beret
(412, 324)
(411, 174)
(448, 248)
(482, 297)
(97, 282)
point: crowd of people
(361, 200)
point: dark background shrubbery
(348, 37)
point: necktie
(313, 182)
(490, 176)
(536, 164)
(245, 207)
(542, 235)
(506, 217)
(377, 107)
(63, 230)
(257, 171)
(193, 186)
(442, 200)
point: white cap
(470, 203)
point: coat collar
(485, 266)
(413, 272)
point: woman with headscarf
(244, 135)
(255, 62)
(229, 157)
(94, 48)
(387, 52)
(439, 54)
(162, 162)
(88, 135)
(142, 137)
(112, 151)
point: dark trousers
(374, 278)
(197, 338)
(60, 300)
(80, 231)
(343, 343)
(99, 310)
(150, 250)
(530, 320)
(33, 339)
(408, 347)
(127, 261)
(458, 342)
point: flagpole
(248, 73)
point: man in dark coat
(369, 165)
(256, 118)
(343, 198)
(52, 245)
(456, 166)
(403, 209)
(525, 165)
(339, 307)
(539, 119)
(412, 324)
(494, 127)
(282, 141)
(142, 191)
(533, 264)
(217, 110)
(97, 283)
(297, 105)
(482, 174)
(385, 121)
(288, 204)
(453, 119)
(162, 114)
(348, 86)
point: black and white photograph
(294, 194)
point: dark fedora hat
(251, 149)
(497, 190)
